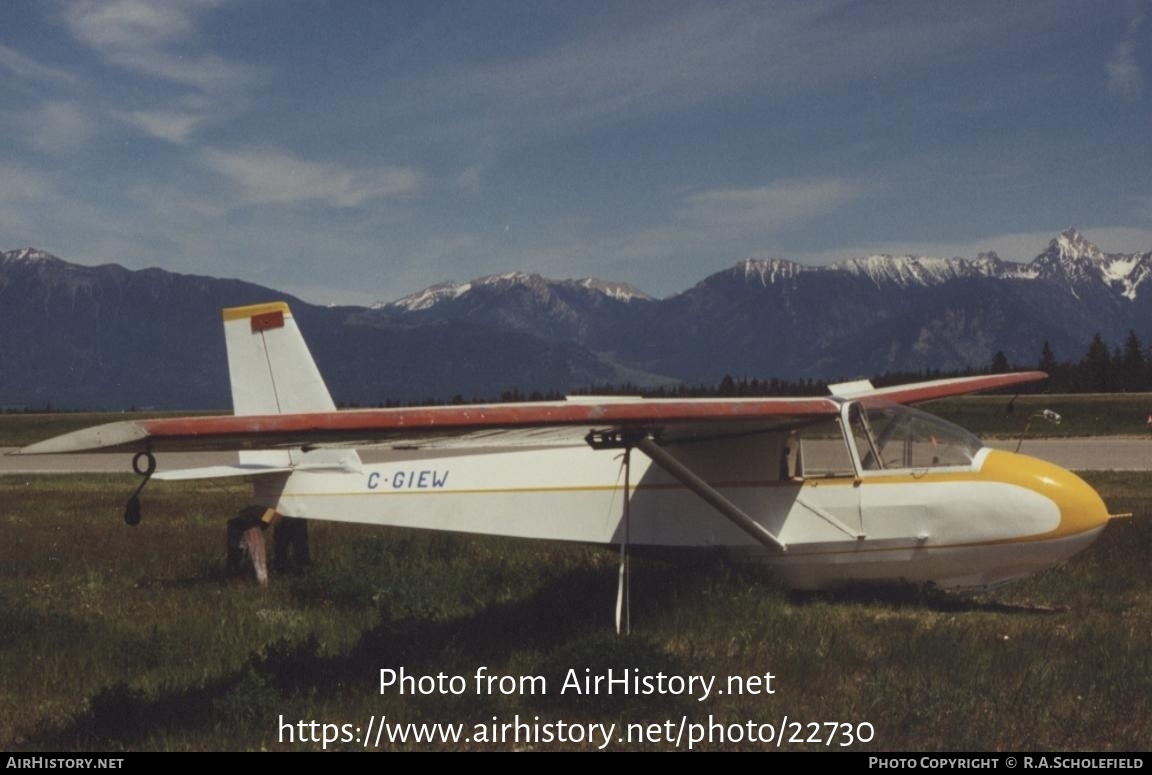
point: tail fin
(271, 369)
(272, 372)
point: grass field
(117, 638)
(1120, 414)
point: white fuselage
(952, 527)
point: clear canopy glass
(894, 437)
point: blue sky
(359, 151)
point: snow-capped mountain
(107, 336)
(77, 336)
(774, 316)
(899, 312)
(27, 256)
(1070, 260)
(904, 271)
(1074, 261)
(567, 310)
(768, 271)
(537, 284)
(427, 298)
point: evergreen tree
(1096, 368)
(999, 363)
(1132, 366)
(1057, 372)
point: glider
(854, 487)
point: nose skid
(1081, 508)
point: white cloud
(469, 179)
(53, 126)
(22, 184)
(29, 69)
(770, 208)
(687, 56)
(1125, 79)
(271, 177)
(175, 126)
(610, 74)
(703, 232)
(155, 38)
(130, 24)
(58, 126)
(175, 204)
(161, 39)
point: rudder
(271, 371)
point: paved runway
(1096, 454)
(104, 464)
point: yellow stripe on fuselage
(1081, 508)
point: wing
(919, 392)
(553, 422)
(536, 424)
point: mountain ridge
(107, 336)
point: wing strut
(686, 477)
(623, 598)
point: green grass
(118, 638)
(1122, 414)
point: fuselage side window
(822, 452)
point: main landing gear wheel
(291, 545)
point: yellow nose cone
(1081, 507)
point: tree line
(1125, 368)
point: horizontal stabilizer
(217, 472)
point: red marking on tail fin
(267, 321)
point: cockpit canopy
(877, 437)
(892, 436)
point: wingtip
(99, 438)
